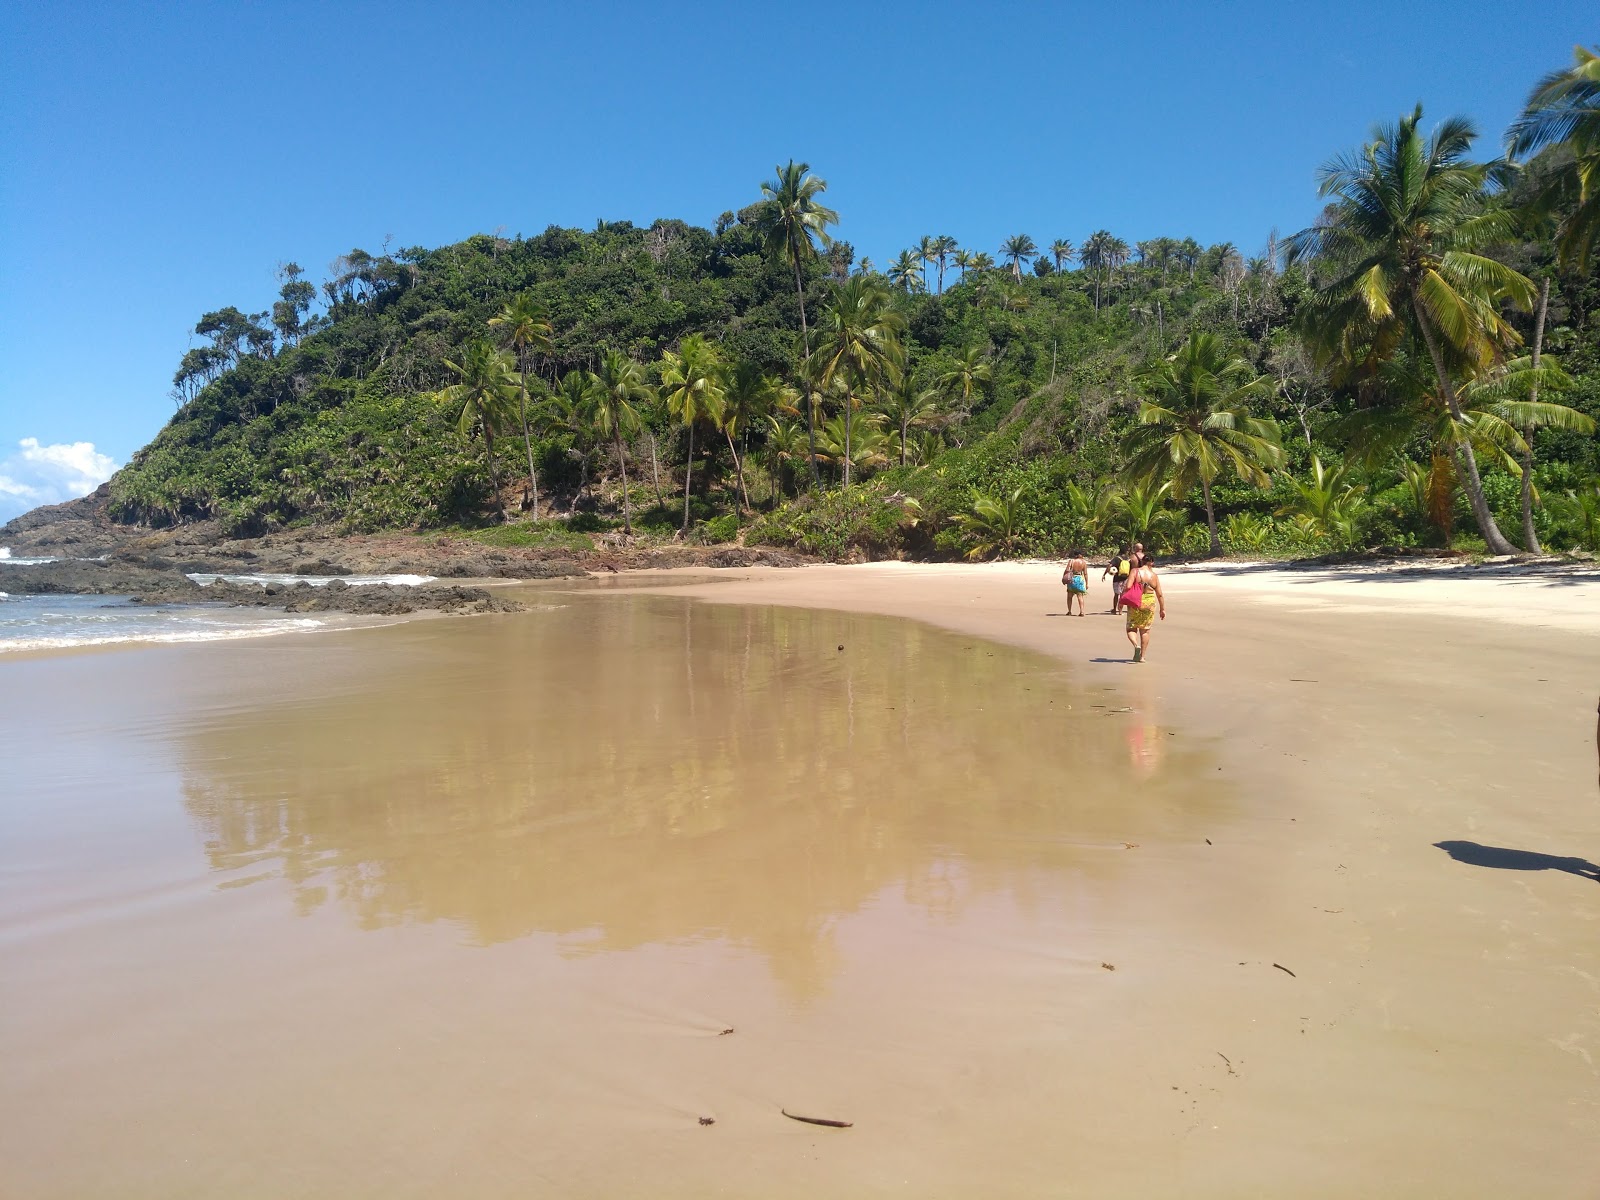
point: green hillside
(1335, 389)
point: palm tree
(1401, 242)
(618, 384)
(1328, 505)
(1095, 256)
(786, 445)
(792, 223)
(855, 440)
(751, 395)
(907, 408)
(1197, 423)
(904, 271)
(524, 323)
(1063, 252)
(981, 261)
(943, 247)
(927, 251)
(1138, 512)
(1509, 397)
(861, 344)
(483, 396)
(693, 378)
(993, 522)
(971, 371)
(1115, 255)
(1564, 110)
(961, 259)
(1017, 248)
(572, 406)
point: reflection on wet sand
(632, 770)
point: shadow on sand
(1503, 859)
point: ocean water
(65, 622)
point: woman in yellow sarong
(1145, 584)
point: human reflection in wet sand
(631, 770)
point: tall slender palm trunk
(627, 506)
(1466, 460)
(655, 471)
(527, 441)
(1530, 537)
(1211, 517)
(805, 342)
(688, 474)
(494, 474)
(738, 468)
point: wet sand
(464, 906)
(1415, 755)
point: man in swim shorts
(1076, 580)
(1118, 569)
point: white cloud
(38, 474)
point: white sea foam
(71, 641)
(6, 557)
(205, 579)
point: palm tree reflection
(634, 770)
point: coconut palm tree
(524, 323)
(1138, 512)
(1401, 244)
(943, 247)
(926, 252)
(993, 523)
(1504, 408)
(1327, 505)
(482, 395)
(861, 345)
(1017, 248)
(905, 271)
(786, 447)
(572, 410)
(619, 384)
(695, 387)
(981, 261)
(1197, 423)
(792, 223)
(1564, 110)
(854, 439)
(1095, 255)
(1063, 252)
(751, 394)
(972, 370)
(906, 408)
(961, 259)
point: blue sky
(158, 160)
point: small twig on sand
(817, 1120)
(1225, 1059)
(1286, 970)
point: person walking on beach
(1076, 580)
(1118, 569)
(1141, 599)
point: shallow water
(465, 907)
(33, 623)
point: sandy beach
(575, 901)
(1440, 1032)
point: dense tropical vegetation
(1419, 368)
